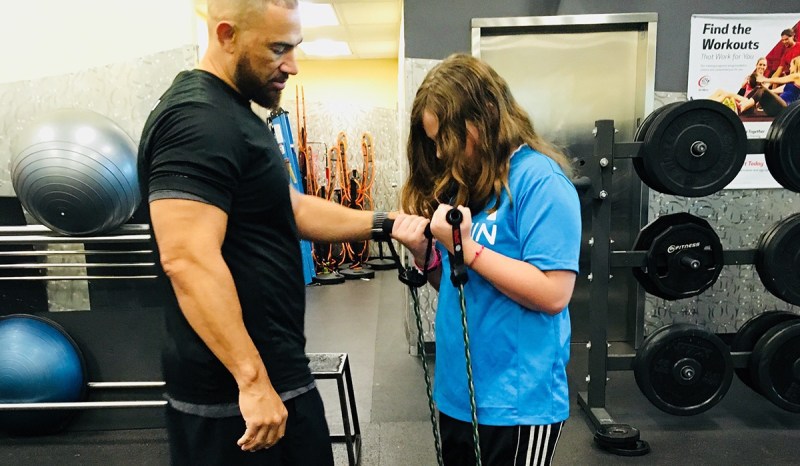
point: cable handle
(388, 224)
(458, 271)
(409, 276)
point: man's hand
(264, 415)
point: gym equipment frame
(602, 356)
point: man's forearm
(321, 220)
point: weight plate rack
(597, 182)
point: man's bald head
(240, 11)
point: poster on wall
(728, 56)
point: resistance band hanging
(306, 155)
(278, 122)
(322, 262)
(329, 256)
(356, 189)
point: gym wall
(51, 38)
(352, 96)
(97, 56)
(424, 41)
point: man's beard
(251, 87)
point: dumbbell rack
(31, 244)
(39, 235)
(599, 169)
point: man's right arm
(189, 235)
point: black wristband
(377, 226)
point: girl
(471, 145)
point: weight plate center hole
(687, 371)
(698, 149)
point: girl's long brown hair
(458, 90)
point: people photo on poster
(747, 63)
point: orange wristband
(477, 253)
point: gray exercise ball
(75, 172)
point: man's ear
(226, 35)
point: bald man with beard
(226, 226)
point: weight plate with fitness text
(684, 256)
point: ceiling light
(317, 14)
(325, 48)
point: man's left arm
(322, 220)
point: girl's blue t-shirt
(519, 355)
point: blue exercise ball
(75, 172)
(39, 362)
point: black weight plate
(763, 244)
(640, 449)
(646, 236)
(788, 145)
(616, 435)
(782, 147)
(658, 225)
(638, 164)
(672, 154)
(778, 261)
(643, 241)
(772, 153)
(641, 276)
(775, 364)
(768, 234)
(671, 253)
(748, 335)
(683, 369)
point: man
(790, 49)
(227, 225)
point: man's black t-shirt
(202, 139)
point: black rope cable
(428, 384)
(458, 275)
(415, 279)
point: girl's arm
(794, 77)
(547, 291)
